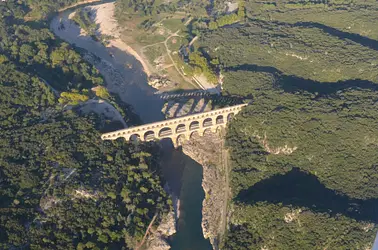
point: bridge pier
(174, 142)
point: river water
(183, 174)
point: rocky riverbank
(158, 240)
(209, 152)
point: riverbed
(183, 174)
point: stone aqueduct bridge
(178, 129)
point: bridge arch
(194, 125)
(134, 137)
(165, 132)
(193, 134)
(149, 135)
(219, 119)
(208, 122)
(207, 131)
(230, 116)
(180, 128)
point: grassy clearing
(177, 78)
(148, 39)
(173, 24)
(143, 31)
(174, 43)
(154, 52)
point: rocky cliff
(209, 152)
(158, 240)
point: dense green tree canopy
(303, 153)
(61, 186)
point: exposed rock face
(286, 150)
(157, 241)
(209, 152)
(158, 82)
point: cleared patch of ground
(104, 108)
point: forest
(303, 153)
(304, 163)
(61, 186)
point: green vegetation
(294, 51)
(37, 50)
(102, 92)
(61, 186)
(228, 19)
(303, 153)
(155, 52)
(83, 19)
(348, 16)
(72, 98)
(147, 39)
(157, 20)
(144, 7)
(264, 225)
(200, 65)
(173, 24)
(39, 9)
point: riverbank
(124, 76)
(103, 16)
(209, 151)
(129, 83)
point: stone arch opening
(180, 128)
(207, 122)
(230, 116)
(134, 137)
(180, 140)
(165, 132)
(194, 133)
(207, 131)
(194, 125)
(149, 135)
(219, 119)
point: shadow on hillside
(343, 35)
(292, 84)
(362, 40)
(300, 189)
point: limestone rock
(209, 152)
(157, 241)
(158, 82)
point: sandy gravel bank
(107, 25)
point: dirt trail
(147, 231)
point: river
(183, 174)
